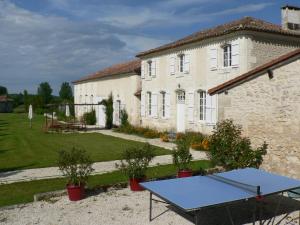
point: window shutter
(153, 68)
(186, 63)
(168, 105)
(143, 70)
(191, 107)
(213, 58)
(154, 105)
(211, 109)
(172, 65)
(235, 52)
(143, 104)
(115, 113)
(214, 109)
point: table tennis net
(247, 187)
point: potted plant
(76, 166)
(182, 158)
(135, 164)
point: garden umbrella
(30, 114)
(67, 110)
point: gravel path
(100, 167)
(117, 207)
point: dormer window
(227, 57)
(150, 68)
(181, 63)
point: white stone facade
(123, 88)
(269, 109)
(202, 68)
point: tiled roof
(252, 73)
(4, 98)
(246, 23)
(122, 68)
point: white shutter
(143, 104)
(115, 113)
(186, 63)
(168, 105)
(154, 105)
(213, 58)
(172, 65)
(211, 109)
(153, 68)
(235, 53)
(142, 70)
(191, 107)
(214, 109)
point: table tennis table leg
(150, 213)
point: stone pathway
(100, 167)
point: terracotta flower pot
(135, 184)
(184, 173)
(75, 192)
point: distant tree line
(41, 99)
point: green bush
(229, 149)
(181, 155)
(90, 117)
(109, 111)
(124, 118)
(75, 165)
(136, 161)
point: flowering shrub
(140, 131)
(164, 137)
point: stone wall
(269, 110)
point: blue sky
(62, 40)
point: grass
(23, 192)
(23, 148)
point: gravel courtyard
(121, 206)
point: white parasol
(67, 110)
(30, 114)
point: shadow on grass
(5, 172)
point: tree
(65, 92)
(26, 99)
(45, 93)
(3, 90)
(109, 110)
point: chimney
(290, 18)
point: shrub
(90, 117)
(201, 146)
(140, 131)
(229, 149)
(76, 165)
(20, 109)
(124, 117)
(109, 110)
(136, 161)
(181, 155)
(164, 137)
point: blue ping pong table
(195, 193)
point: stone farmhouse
(122, 81)
(168, 88)
(266, 102)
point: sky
(63, 40)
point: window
(202, 104)
(181, 97)
(150, 68)
(163, 103)
(227, 55)
(149, 103)
(181, 63)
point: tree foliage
(181, 154)
(65, 92)
(3, 90)
(45, 93)
(231, 150)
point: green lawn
(23, 192)
(22, 147)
